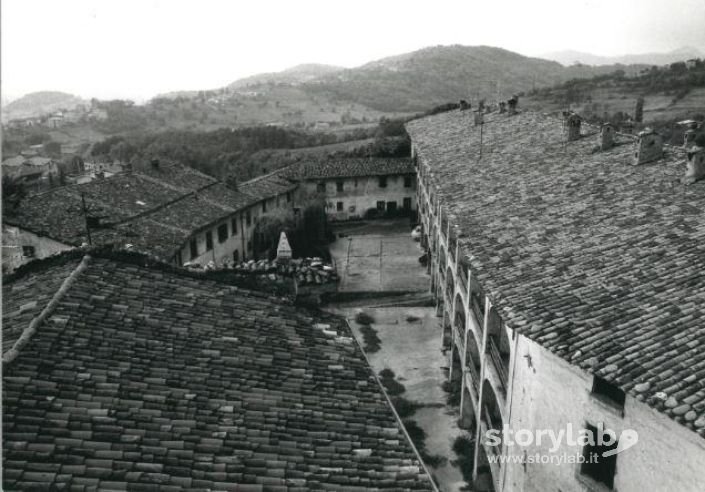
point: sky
(139, 48)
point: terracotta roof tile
(600, 261)
(146, 379)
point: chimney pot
(649, 147)
(502, 107)
(512, 104)
(689, 137)
(155, 163)
(606, 136)
(695, 165)
(572, 125)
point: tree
(13, 192)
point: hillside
(670, 93)
(294, 75)
(569, 57)
(38, 104)
(431, 76)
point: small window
(339, 206)
(236, 256)
(339, 185)
(249, 245)
(380, 206)
(248, 218)
(355, 182)
(28, 251)
(407, 181)
(608, 392)
(222, 233)
(407, 203)
(264, 207)
(382, 181)
(209, 240)
(233, 226)
(193, 246)
(321, 187)
(597, 466)
(288, 197)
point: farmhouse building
(570, 278)
(123, 374)
(362, 187)
(174, 213)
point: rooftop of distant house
(600, 261)
(155, 208)
(349, 168)
(119, 372)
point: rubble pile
(306, 271)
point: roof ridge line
(27, 333)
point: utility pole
(85, 218)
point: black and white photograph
(390, 246)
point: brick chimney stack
(695, 165)
(572, 125)
(649, 147)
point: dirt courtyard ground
(412, 350)
(379, 257)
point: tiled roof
(599, 261)
(141, 378)
(153, 209)
(349, 167)
(267, 186)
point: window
(380, 206)
(339, 185)
(339, 206)
(407, 204)
(233, 225)
(407, 181)
(355, 182)
(264, 207)
(28, 251)
(288, 197)
(597, 466)
(321, 187)
(382, 181)
(248, 218)
(209, 240)
(608, 393)
(193, 245)
(236, 256)
(222, 233)
(249, 245)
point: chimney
(649, 147)
(606, 136)
(572, 125)
(689, 137)
(155, 163)
(464, 105)
(695, 166)
(512, 103)
(502, 107)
